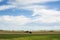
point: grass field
(29, 36)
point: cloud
(9, 6)
(23, 2)
(32, 7)
(1, 0)
(46, 15)
(45, 12)
(21, 20)
(4, 7)
(41, 15)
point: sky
(29, 14)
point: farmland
(29, 36)
(35, 35)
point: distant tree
(51, 31)
(30, 32)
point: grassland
(35, 35)
(29, 36)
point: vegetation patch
(29, 36)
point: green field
(29, 36)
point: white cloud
(1, 0)
(46, 15)
(18, 3)
(4, 7)
(32, 7)
(23, 2)
(27, 4)
(45, 11)
(21, 20)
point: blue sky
(30, 14)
